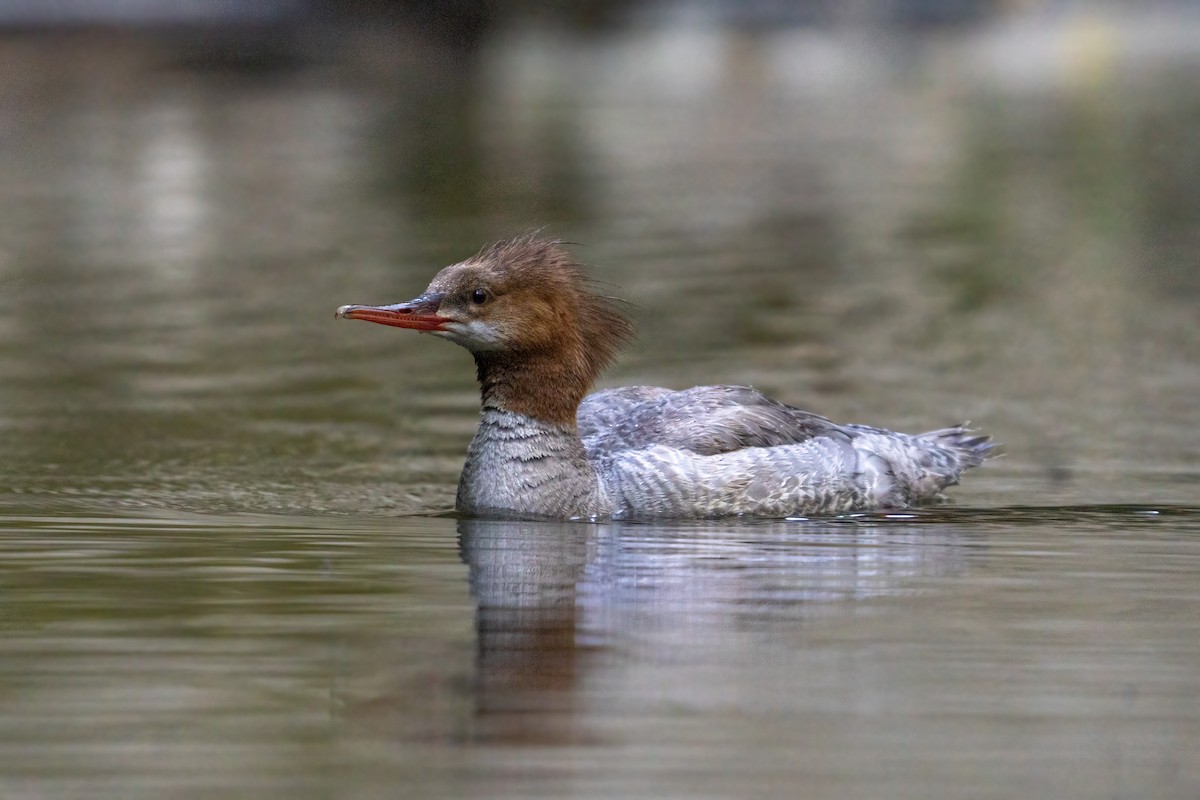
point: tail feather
(961, 440)
(922, 466)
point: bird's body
(544, 448)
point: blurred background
(902, 212)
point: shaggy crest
(592, 321)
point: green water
(224, 566)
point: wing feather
(705, 420)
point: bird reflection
(524, 577)
(562, 606)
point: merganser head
(527, 312)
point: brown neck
(547, 387)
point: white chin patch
(475, 335)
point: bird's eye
(479, 296)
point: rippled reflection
(555, 599)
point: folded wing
(705, 420)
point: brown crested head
(539, 331)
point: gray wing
(705, 420)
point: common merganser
(541, 335)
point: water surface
(1018, 651)
(226, 562)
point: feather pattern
(721, 450)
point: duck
(541, 333)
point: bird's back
(727, 450)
